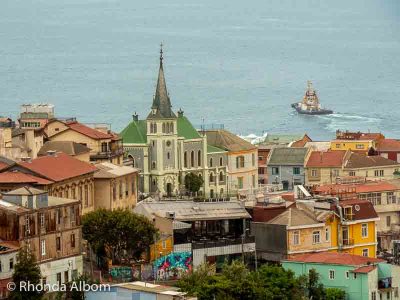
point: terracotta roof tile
(335, 258)
(19, 177)
(58, 167)
(372, 186)
(320, 159)
(88, 131)
(361, 209)
(364, 269)
(387, 145)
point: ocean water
(239, 63)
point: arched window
(155, 127)
(171, 127)
(192, 159)
(153, 165)
(168, 155)
(185, 159)
(211, 162)
(240, 162)
(211, 177)
(163, 128)
(221, 176)
(221, 161)
(199, 158)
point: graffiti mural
(121, 273)
(172, 266)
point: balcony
(348, 242)
(221, 242)
(107, 154)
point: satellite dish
(357, 207)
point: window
(365, 252)
(240, 162)
(104, 147)
(327, 234)
(43, 247)
(364, 230)
(316, 237)
(221, 161)
(253, 180)
(66, 276)
(42, 220)
(168, 155)
(388, 221)
(221, 177)
(27, 225)
(120, 190)
(374, 198)
(373, 295)
(331, 274)
(199, 158)
(59, 216)
(59, 278)
(275, 171)
(347, 274)
(391, 198)
(352, 173)
(335, 173)
(133, 185)
(153, 165)
(72, 240)
(296, 238)
(359, 146)
(192, 159)
(114, 191)
(314, 173)
(185, 159)
(296, 171)
(354, 275)
(379, 173)
(211, 177)
(211, 162)
(240, 182)
(163, 127)
(253, 159)
(86, 195)
(11, 263)
(164, 244)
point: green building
(362, 278)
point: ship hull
(321, 111)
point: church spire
(161, 107)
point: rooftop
(335, 258)
(387, 145)
(357, 160)
(367, 187)
(191, 211)
(14, 177)
(67, 147)
(320, 159)
(109, 170)
(58, 167)
(287, 156)
(228, 141)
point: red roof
(320, 159)
(361, 209)
(388, 145)
(58, 167)
(88, 131)
(334, 258)
(3, 165)
(19, 177)
(364, 269)
(371, 186)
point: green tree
(193, 183)
(335, 294)
(316, 289)
(119, 234)
(26, 270)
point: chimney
(52, 153)
(135, 116)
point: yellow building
(353, 145)
(319, 225)
(162, 247)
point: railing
(222, 242)
(348, 242)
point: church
(166, 147)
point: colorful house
(360, 277)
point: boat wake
(350, 122)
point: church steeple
(161, 107)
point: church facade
(166, 147)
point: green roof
(287, 156)
(135, 133)
(213, 149)
(186, 129)
(282, 138)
